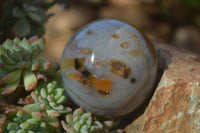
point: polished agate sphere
(109, 67)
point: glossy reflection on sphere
(109, 67)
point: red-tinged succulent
(19, 64)
(20, 121)
(81, 121)
(49, 99)
(2, 122)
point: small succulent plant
(49, 99)
(83, 122)
(22, 122)
(46, 104)
(18, 63)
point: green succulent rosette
(49, 99)
(22, 122)
(81, 121)
(19, 64)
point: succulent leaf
(81, 121)
(12, 76)
(16, 49)
(44, 64)
(53, 113)
(12, 126)
(40, 43)
(36, 107)
(61, 100)
(7, 60)
(17, 57)
(6, 67)
(30, 80)
(21, 65)
(33, 39)
(18, 12)
(47, 98)
(25, 44)
(37, 16)
(34, 66)
(43, 93)
(22, 27)
(2, 122)
(21, 121)
(2, 50)
(13, 56)
(54, 67)
(16, 40)
(8, 44)
(35, 51)
(21, 54)
(10, 88)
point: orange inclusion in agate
(99, 84)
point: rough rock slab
(175, 104)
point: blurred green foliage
(191, 9)
(180, 11)
(23, 17)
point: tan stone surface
(61, 27)
(175, 105)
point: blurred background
(176, 22)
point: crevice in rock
(164, 58)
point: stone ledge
(175, 104)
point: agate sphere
(109, 67)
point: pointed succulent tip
(78, 111)
(8, 43)
(16, 40)
(48, 64)
(7, 60)
(42, 39)
(21, 65)
(7, 51)
(9, 111)
(6, 92)
(34, 66)
(10, 88)
(30, 80)
(6, 67)
(53, 113)
(2, 119)
(64, 125)
(43, 125)
(108, 123)
(12, 77)
(41, 43)
(32, 108)
(69, 118)
(38, 114)
(41, 76)
(33, 95)
(2, 122)
(4, 78)
(120, 131)
(31, 86)
(16, 45)
(56, 124)
(33, 38)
